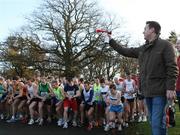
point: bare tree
(18, 55)
(66, 29)
(61, 38)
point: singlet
(9, 87)
(119, 87)
(87, 95)
(128, 87)
(104, 91)
(58, 93)
(30, 90)
(16, 89)
(24, 91)
(71, 90)
(43, 90)
(114, 98)
(97, 92)
(1, 90)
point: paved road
(52, 129)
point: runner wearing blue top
(71, 92)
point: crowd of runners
(72, 101)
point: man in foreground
(158, 73)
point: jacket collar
(150, 44)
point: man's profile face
(178, 45)
(147, 32)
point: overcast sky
(136, 12)
(133, 12)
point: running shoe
(31, 122)
(120, 128)
(106, 128)
(65, 125)
(11, 120)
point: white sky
(136, 12)
(133, 12)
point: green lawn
(144, 128)
(176, 130)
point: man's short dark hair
(69, 79)
(54, 81)
(155, 25)
(87, 82)
(128, 73)
(81, 79)
(102, 80)
(16, 78)
(112, 86)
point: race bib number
(44, 94)
(70, 93)
(97, 94)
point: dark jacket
(157, 66)
(178, 78)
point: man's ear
(152, 30)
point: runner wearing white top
(116, 107)
(119, 85)
(104, 88)
(119, 82)
(32, 86)
(129, 90)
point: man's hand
(106, 37)
(28, 101)
(70, 97)
(44, 99)
(170, 94)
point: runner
(116, 107)
(87, 100)
(71, 93)
(104, 110)
(58, 97)
(3, 95)
(81, 106)
(45, 100)
(97, 101)
(32, 87)
(18, 98)
(129, 91)
(8, 107)
(142, 109)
